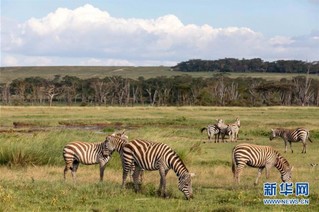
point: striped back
(211, 130)
(259, 156)
(295, 135)
(151, 156)
(83, 152)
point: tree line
(248, 65)
(184, 90)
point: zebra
(147, 155)
(224, 129)
(78, 152)
(231, 130)
(116, 142)
(211, 130)
(259, 157)
(234, 127)
(295, 135)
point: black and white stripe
(212, 130)
(147, 155)
(288, 135)
(259, 157)
(78, 152)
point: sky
(152, 33)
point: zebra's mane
(178, 165)
(281, 159)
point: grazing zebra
(296, 135)
(259, 157)
(78, 152)
(153, 156)
(211, 130)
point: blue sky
(146, 32)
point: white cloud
(89, 36)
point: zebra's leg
(74, 168)
(162, 187)
(237, 173)
(141, 175)
(291, 147)
(102, 168)
(259, 174)
(66, 169)
(304, 147)
(136, 178)
(285, 146)
(127, 165)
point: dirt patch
(23, 124)
(28, 127)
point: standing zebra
(146, 155)
(234, 128)
(296, 135)
(211, 130)
(224, 129)
(116, 142)
(78, 152)
(259, 157)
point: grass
(31, 163)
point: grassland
(10, 73)
(31, 162)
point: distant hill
(7, 74)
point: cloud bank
(89, 36)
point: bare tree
(220, 90)
(302, 87)
(5, 93)
(232, 91)
(51, 92)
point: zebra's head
(273, 134)
(112, 141)
(286, 177)
(185, 185)
(237, 122)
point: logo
(300, 189)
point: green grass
(31, 163)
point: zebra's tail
(309, 137)
(205, 128)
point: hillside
(7, 74)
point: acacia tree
(52, 91)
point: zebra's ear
(123, 131)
